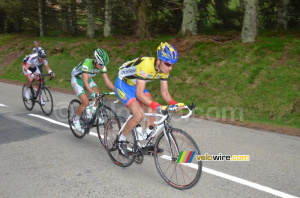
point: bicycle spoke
(104, 114)
(29, 103)
(72, 109)
(178, 175)
(45, 100)
(111, 133)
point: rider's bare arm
(27, 66)
(165, 91)
(108, 82)
(47, 68)
(140, 87)
(85, 78)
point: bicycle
(178, 175)
(102, 114)
(42, 93)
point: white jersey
(35, 50)
(34, 61)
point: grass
(256, 82)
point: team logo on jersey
(121, 94)
(142, 73)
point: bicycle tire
(190, 172)
(105, 113)
(29, 104)
(72, 109)
(46, 95)
(112, 129)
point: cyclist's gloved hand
(32, 75)
(174, 103)
(154, 105)
(93, 95)
(180, 104)
(51, 73)
(162, 107)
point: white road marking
(236, 179)
(3, 105)
(59, 123)
(204, 169)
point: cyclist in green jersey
(82, 81)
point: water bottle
(88, 112)
(35, 90)
(93, 110)
(139, 131)
(148, 132)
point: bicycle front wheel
(72, 109)
(104, 114)
(178, 165)
(45, 100)
(29, 103)
(112, 129)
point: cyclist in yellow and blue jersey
(130, 87)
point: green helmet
(101, 56)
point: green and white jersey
(87, 66)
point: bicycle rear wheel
(112, 129)
(72, 109)
(29, 103)
(104, 114)
(183, 170)
(46, 97)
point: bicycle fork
(170, 140)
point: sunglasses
(168, 64)
(100, 64)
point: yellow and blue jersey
(140, 68)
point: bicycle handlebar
(101, 95)
(46, 75)
(164, 113)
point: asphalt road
(44, 159)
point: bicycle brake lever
(191, 107)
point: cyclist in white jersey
(82, 81)
(30, 69)
(35, 51)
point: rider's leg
(79, 90)
(150, 119)
(29, 80)
(137, 116)
(27, 76)
(84, 103)
(96, 90)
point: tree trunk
(282, 14)
(189, 23)
(2, 20)
(41, 5)
(141, 17)
(74, 28)
(249, 31)
(64, 17)
(242, 4)
(90, 29)
(108, 18)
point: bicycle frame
(40, 85)
(99, 98)
(159, 125)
